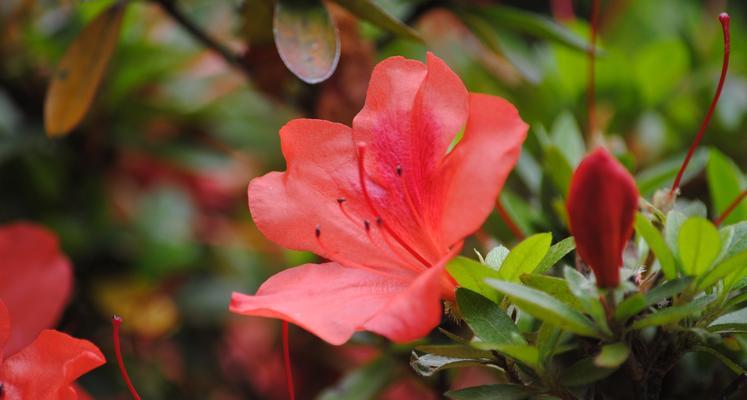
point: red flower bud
(602, 201)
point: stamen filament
(724, 19)
(592, 53)
(116, 323)
(287, 363)
(364, 189)
(732, 206)
(515, 230)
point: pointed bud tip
(724, 18)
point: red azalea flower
(388, 202)
(602, 201)
(48, 367)
(35, 281)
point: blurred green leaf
(699, 243)
(547, 308)
(525, 256)
(471, 275)
(734, 264)
(504, 391)
(566, 135)
(662, 174)
(370, 11)
(656, 242)
(583, 373)
(306, 39)
(670, 315)
(659, 68)
(612, 355)
(363, 383)
(488, 320)
(734, 322)
(630, 307)
(558, 168)
(588, 296)
(725, 183)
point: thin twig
(233, 59)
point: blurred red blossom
(602, 201)
(388, 202)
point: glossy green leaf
(725, 183)
(429, 364)
(525, 256)
(306, 38)
(733, 264)
(369, 11)
(487, 319)
(505, 391)
(699, 244)
(612, 355)
(555, 287)
(555, 254)
(524, 353)
(547, 308)
(667, 316)
(471, 275)
(362, 383)
(455, 351)
(652, 236)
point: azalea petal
(412, 313)
(4, 328)
(288, 207)
(35, 281)
(48, 366)
(474, 172)
(412, 114)
(333, 302)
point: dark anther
(379, 221)
(340, 200)
(2, 390)
(318, 231)
(367, 225)
(399, 170)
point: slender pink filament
(724, 19)
(116, 323)
(732, 206)
(364, 189)
(591, 94)
(515, 230)
(287, 363)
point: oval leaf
(525, 256)
(656, 242)
(306, 38)
(80, 71)
(699, 243)
(487, 320)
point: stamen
(515, 230)
(591, 100)
(724, 19)
(340, 200)
(732, 206)
(415, 212)
(399, 170)
(345, 212)
(116, 323)
(287, 363)
(364, 189)
(367, 225)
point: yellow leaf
(79, 73)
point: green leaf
(728, 362)
(659, 68)
(531, 24)
(368, 10)
(548, 336)
(732, 322)
(662, 174)
(555, 287)
(725, 183)
(557, 168)
(583, 373)
(524, 353)
(496, 257)
(566, 135)
(670, 315)
(455, 351)
(306, 39)
(667, 290)
(504, 391)
(656, 242)
(630, 307)
(429, 364)
(487, 319)
(699, 244)
(471, 275)
(588, 296)
(363, 383)
(612, 355)
(525, 256)
(556, 253)
(547, 308)
(733, 264)
(672, 226)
